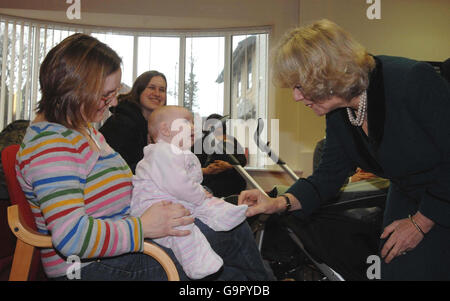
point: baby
(170, 171)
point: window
(123, 45)
(209, 72)
(204, 62)
(249, 74)
(249, 62)
(238, 84)
(162, 54)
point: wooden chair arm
(36, 239)
(164, 260)
(25, 233)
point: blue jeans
(237, 248)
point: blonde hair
(324, 59)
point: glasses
(107, 99)
(298, 87)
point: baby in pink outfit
(170, 171)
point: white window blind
(24, 45)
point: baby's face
(182, 129)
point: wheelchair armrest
(377, 200)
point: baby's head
(172, 124)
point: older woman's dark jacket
(408, 142)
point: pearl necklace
(361, 113)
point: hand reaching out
(258, 202)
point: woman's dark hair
(139, 85)
(72, 77)
(212, 119)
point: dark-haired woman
(126, 129)
(218, 173)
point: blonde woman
(387, 115)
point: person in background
(218, 174)
(12, 134)
(126, 129)
(390, 117)
(356, 176)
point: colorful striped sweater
(78, 196)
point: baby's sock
(195, 255)
(220, 215)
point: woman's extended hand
(161, 219)
(258, 202)
(403, 236)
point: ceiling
(227, 8)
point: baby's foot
(220, 215)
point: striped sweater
(78, 196)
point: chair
(22, 224)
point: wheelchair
(334, 243)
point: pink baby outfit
(169, 173)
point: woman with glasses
(126, 129)
(387, 115)
(79, 189)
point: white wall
(417, 29)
